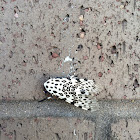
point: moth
(79, 92)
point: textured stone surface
(37, 35)
(109, 112)
(46, 128)
(126, 130)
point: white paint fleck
(74, 132)
(122, 6)
(16, 15)
(67, 59)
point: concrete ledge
(109, 112)
(113, 108)
(29, 109)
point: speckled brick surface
(126, 130)
(37, 35)
(94, 39)
(46, 129)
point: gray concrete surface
(126, 129)
(36, 37)
(109, 112)
(47, 129)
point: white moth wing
(79, 92)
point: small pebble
(119, 22)
(100, 74)
(124, 97)
(2, 8)
(79, 47)
(85, 57)
(50, 6)
(82, 34)
(23, 51)
(109, 70)
(81, 23)
(10, 136)
(99, 47)
(133, 101)
(122, 6)
(36, 120)
(16, 15)
(66, 19)
(81, 17)
(87, 9)
(130, 47)
(101, 58)
(49, 118)
(23, 63)
(114, 50)
(55, 55)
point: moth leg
(43, 99)
(45, 91)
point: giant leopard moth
(79, 92)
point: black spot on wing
(61, 94)
(67, 96)
(82, 92)
(63, 90)
(68, 78)
(70, 83)
(56, 80)
(85, 79)
(74, 93)
(78, 80)
(54, 91)
(73, 103)
(72, 88)
(68, 88)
